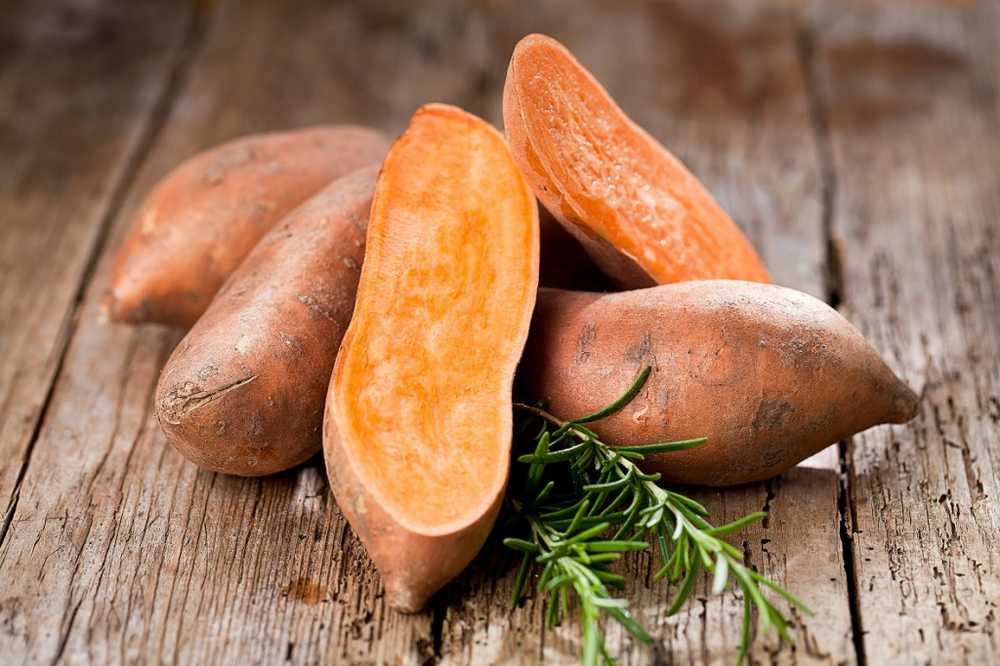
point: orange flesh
(422, 386)
(603, 172)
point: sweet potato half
(769, 375)
(244, 391)
(642, 216)
(418, 422)
(205, 216)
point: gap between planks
(833, 284)
(156, 118)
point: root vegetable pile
(383, 305)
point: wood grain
(856, 144)
(723, 87)
(120, 550)
(912, 104)
(80, 86)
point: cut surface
(422, 388)
(609, 181)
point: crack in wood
(834, 293)
(846, 510)
(131, 163)
(833, 277)
(119, 190)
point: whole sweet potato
(243, 393)
(769, 375)
(642, 216)
(205, 216)
(418, 422)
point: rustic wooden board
(723, 87)
(120, 550)
(912, 103)
(835, 137)
(80, 88)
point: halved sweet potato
(244, 391)
(637, 210)
(418, 422)
(205, 216)
(769, 375)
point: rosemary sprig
(579, 505)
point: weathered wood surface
(742, 123)
(70, 134)
(857, 145)
(911, 103)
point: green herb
(579, 505)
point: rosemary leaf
(571, 488)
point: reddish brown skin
(205, 216)
(413, 566)
(244, 391)
(768, 374)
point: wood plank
(119, 549)
(80, 84)
(912, 100)
(722, 86)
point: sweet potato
(769, 375)
(642, 216)
(205, 216)
(244, 391)
(418, 423)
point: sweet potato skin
(640, 214)
(454, 229)
(244, 391)
(413, 566)
(201, 220)
(768, 374)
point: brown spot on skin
(663, 401)
(640, 351)
(772, 458)
(770, 414)
(306, 591)
(255, 427)
(802, 349)
(290, 341)
(315, 306)
(588, 336)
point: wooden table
(857, 143)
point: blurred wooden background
(858, 143)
